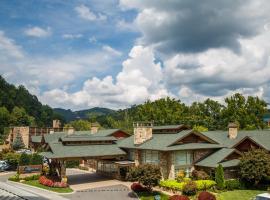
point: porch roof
(58, 150)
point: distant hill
(70, 115)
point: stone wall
(199, 154)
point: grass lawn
(37, 184)
(239, 194)
(148, 196)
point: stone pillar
(62, 169)
(171, 170)
(137, 156)
(164, 164)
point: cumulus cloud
(219, 72)
(192, 26)
(38, 32)
(123, 25)
(85, 13)
(140, 79)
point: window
(131, 155)
(182, 158)
(151, 157)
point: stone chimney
(56, 123)
(142, 132)
(94, 128)
(233, 130)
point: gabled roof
(164, 142)
(217, 157)
(107, 132)
(262, 137)
(54, 136)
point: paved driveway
(116, 192)
(91, 186)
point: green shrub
(205, 184)
(148, 175)
(174, 185)
(83, 168)
(36, 159)
(254, 166)
(72, 163)
(31, 178)
(190, 188)
(24, 159)
(219, 177)
(232, 184)
(15, 178)
(180, 175)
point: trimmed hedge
(232, 184)
(174, 185)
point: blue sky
(81, 54)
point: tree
(36, 159)
(200, 128)
(24, 159)
(18, 142)
(4, 119)
(148, 175)
(254, 165)
(80, 125)
(219, 177)
(19, 117)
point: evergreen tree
(219, 177)
(24, 159)
(17, 142)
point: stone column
(137, 156)
(62, 169)
(164, 164)
(171, 169)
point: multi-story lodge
(173, 148)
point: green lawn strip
(35, 183)
(239, 194)
(150, 196)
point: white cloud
(8, 48)
(85, 13)
(140, 79)
(111, 50)
(38, 32)
(72, 36)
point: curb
(58, 193)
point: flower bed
(48, 182)
(174, 185)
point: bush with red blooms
(137, 187)
(48, 182)
(178, 197)
(206, 196)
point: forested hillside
(247, 112)
(91, 113)
(20, 108)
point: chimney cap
(232, 125)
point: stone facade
(200, 154)
(23, 131)
(56, 123)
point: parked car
(4, 165)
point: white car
(27, 151)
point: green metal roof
(53, 136)
(262, 137)
(214, 159)
(164, 142)
(167, 127)
(71, 151)
(36, 139)
(230, 163)
(106, 132)
(74, 137)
